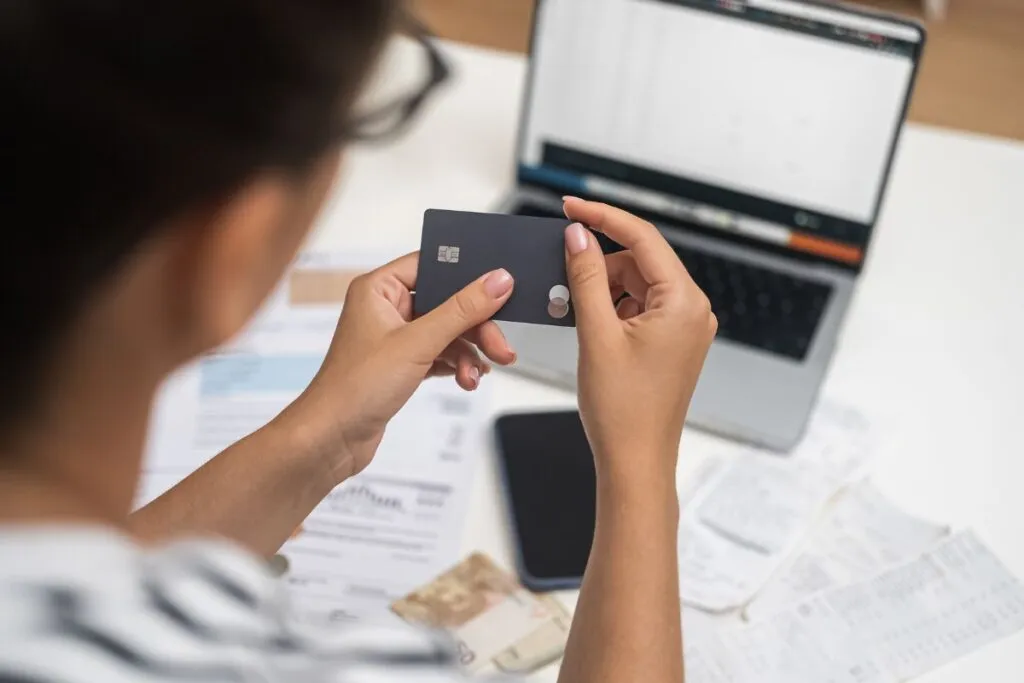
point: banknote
(543, 646)
(484, 609)
(307, 287)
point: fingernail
(629, 308)
(566, 198)
(498, 283)
(474, 374)
(576, 238)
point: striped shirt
(86, 605)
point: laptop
(758, 136)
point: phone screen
(550, 488)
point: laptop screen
(772, 119)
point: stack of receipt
(752, 513)
(902, 622)
(832, 580)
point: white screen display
(798, 119)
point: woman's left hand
(380, 355)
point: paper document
(742, 525)
(788, 649)
(899, 624)
(739, 527)
(762, 505)
(400, 522)
(923, 614)
(861, 534)
(384, 531)
(839, 440)
(698, 623)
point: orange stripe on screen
(835, 250)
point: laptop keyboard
(759, 307)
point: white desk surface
(933, 346)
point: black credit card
(458, 247)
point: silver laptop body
(758, 136)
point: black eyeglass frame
(404, 108)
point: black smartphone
(549, 481)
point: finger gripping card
(458, 247)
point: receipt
(763, 505)
(925, 613)
(840, 441)
(757, 507)
(742, 524)
(787, 649)
(899, 624)
(861, 534)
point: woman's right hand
(639, 361)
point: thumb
(476, 303)
(588, 280)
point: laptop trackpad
(549, 353)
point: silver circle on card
(558, 309)
(558, 302)
(559, 292)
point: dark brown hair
(118, 114)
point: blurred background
(972, 76)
